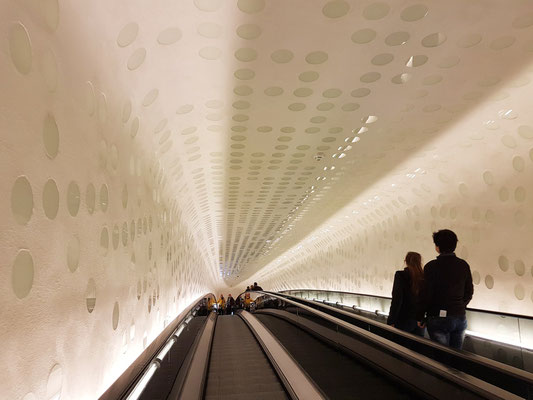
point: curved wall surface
(97, 254)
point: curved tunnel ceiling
(277, 113)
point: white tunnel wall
(96, 256)
(475, 179)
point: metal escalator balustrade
(507, 377)
(384, 353)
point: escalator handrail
(514, 372)
(467, 381)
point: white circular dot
(128, 34)
(169, 36)
(210, 53)
(136, 59)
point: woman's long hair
(413, 261)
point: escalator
(288, 350)
(338, 375)
(238, 368)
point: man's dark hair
(445, 240)
(255, 283)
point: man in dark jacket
(448, 290)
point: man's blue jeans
(449, 331)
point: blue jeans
(449, 331)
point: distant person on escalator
(221, 304)
(447, 291)
(257, 287)
(211, 304)
(247, 289)
(230, 305)
(406, 290)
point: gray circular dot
(449, 62)
(525, 131)
(363, 36)
(22, 200)
(245, 54)
(370, 77)
(210, 53)
(136, 59)
(414, 13)
(249, 31)
(251, 6)
(308, 76)
(282, 56)
(331, 93)
(273, 91)
(476, 278)
(519, 268)
(489, 281)
(20, 48)
(115, 237)
(244, 74)
(104, 240)
(520, 194)
(73, 253)
(434, 39)
(488, 178)
(469, 40)
(416, 61)
(503, 263)
(22, 274)
(50, 136)
(397, 38)
(519, 291)
(73, 198)
(502, 42)
(382, 59)
(208, 5)
(336, 9)
(296, 106)
(90, 198)
(376, 11)
(90, 295)
(104, 197)
(50, 199)
(361, 92)
(316, 57)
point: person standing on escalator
(256, 287)
(405, 295)
(447, 291)
(221, 304)
(230, 305)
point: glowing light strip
(166, 349)
(511, 342)
(141, 385)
